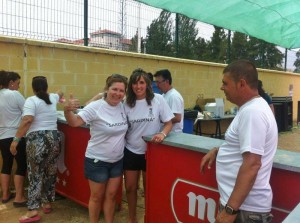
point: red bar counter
(176, 191)
(71, 182)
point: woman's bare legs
(131, 186)
(112, 187)
(5, 179)
(96, 200)
(19, 186)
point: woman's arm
(95, 98)
(160, 136)
(23, 128)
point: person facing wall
(265, 96)
(39, 124)
(11, 105)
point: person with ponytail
(39, 125)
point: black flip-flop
(11, 196)
(20, 204)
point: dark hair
(150, 76)
(260, 89)
(13, 76)
(113, 79)
(40, 87)
(243, 69)
(7, 76)
(135, 77)
(3, 78)
(165, 74)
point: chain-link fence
(98, 23)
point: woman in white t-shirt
(145, 112)
(103, 164)
(39, 124)
(11, 105)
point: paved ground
(66, 211)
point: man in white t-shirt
(163, 80)
(244, 160)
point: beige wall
(83, 70)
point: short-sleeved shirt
(175, 101)
(11, 105)
(45, 115)
(108, 126)
(145, 120)
(253, 130)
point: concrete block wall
(83, 70)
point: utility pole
(85, 25)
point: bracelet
(16, 139)
(163, 134)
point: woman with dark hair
(13, 81)
(103, 164)
(265, 96)
(11, 105)
(145, 111)
(39, 124)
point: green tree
(217, 46)
(201, 49)
(297, 62)
(134, 43)
(159, 35)
(239, 46)
(264, 55)
(187, 33)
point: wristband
(163, 134)
(16, 139)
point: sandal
(47, 210)
(11, 196)
(20, 204)
(26, 219)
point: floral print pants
(42, 149)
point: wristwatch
(230, 210)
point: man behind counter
(244, 160)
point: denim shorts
(100, 171)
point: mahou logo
(192, 202)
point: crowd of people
(29, 135)
(126, 110)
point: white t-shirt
(11, 105)
(145, 120)
(45, 116)
(254, 130)
(175, 101)
(108, 126)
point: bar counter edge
(286, 160)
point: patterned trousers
(42, 149)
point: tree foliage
(160, 41)
(187, 34)
(159, 35)
(297, 62)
